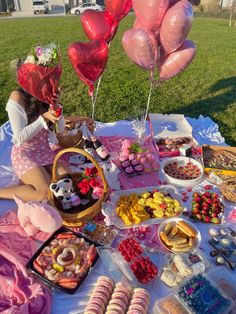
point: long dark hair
(33, 107)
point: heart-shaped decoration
(177, 61)
(89, 60)
(97, 25)
(118, 9)
(67, 256)
(150, 13)
(176, 26)
(140, 46)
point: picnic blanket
(204, 130)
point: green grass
(207, 86)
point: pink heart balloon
(140, 46)
(176, 26)
(150, 13)
(118, 9)
(177, 61)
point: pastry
(186, 228)
(171, 305)
(182, 266)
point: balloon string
(93, 105)
(94, 98)
(148, 102)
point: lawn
(207, 87)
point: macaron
(96, 302)
(137, 308)
(120, 303)
(115, 307)
(94, 308)
(102, 291)
(120, 296)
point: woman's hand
(49, 116)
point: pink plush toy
(37, 216)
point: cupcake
(150, 156)
(132, 156)
(134, 162)
(129, 170)
(123, 158)
(125, 164)
(138, 168)
(143, 160)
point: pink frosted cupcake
(125, 164)
(138, 168)
(129, 170)
(132, 156)
(143, 160)
(134, 162)
(140, 155)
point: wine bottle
(98, 146)
(88, 145)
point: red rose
(91, 172)
(96, 183)
(84, 186)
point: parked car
(40, 7)
(81, 8)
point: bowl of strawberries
(207, 207)
(183, 171)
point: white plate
(182, 161)
(175, 220)
(117, 194)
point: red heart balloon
(89, 60)
(97, 25)
(118, 9)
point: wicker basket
(66, 140)
(77, 219)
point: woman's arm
(23, 132)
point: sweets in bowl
(178, 235)
(183, 171)
(64, 260)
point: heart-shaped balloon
(97, 25)
(177, 61)
(140, 46)
(150, 13)
(176, 26)
(89, 60)
(118, 9)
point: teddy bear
(64, 191)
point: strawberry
(207, 219)
(207, 194)
(195, 210)
(208, 187)
(204, 204)
(163, 205)
(58, 112)
(213, 215)
(198, 217)
(204, 212)
(209, 201)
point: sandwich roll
(185, 228)
(168, 228)
(164, 238)
(177, 241)
(173, 232)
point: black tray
(31, 267)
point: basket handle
(84, 153)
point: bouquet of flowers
(91, 186)
(40, 74)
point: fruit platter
(64, 260)
(182, 171)
(145, 206)
(207, 207)
(178, 235)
